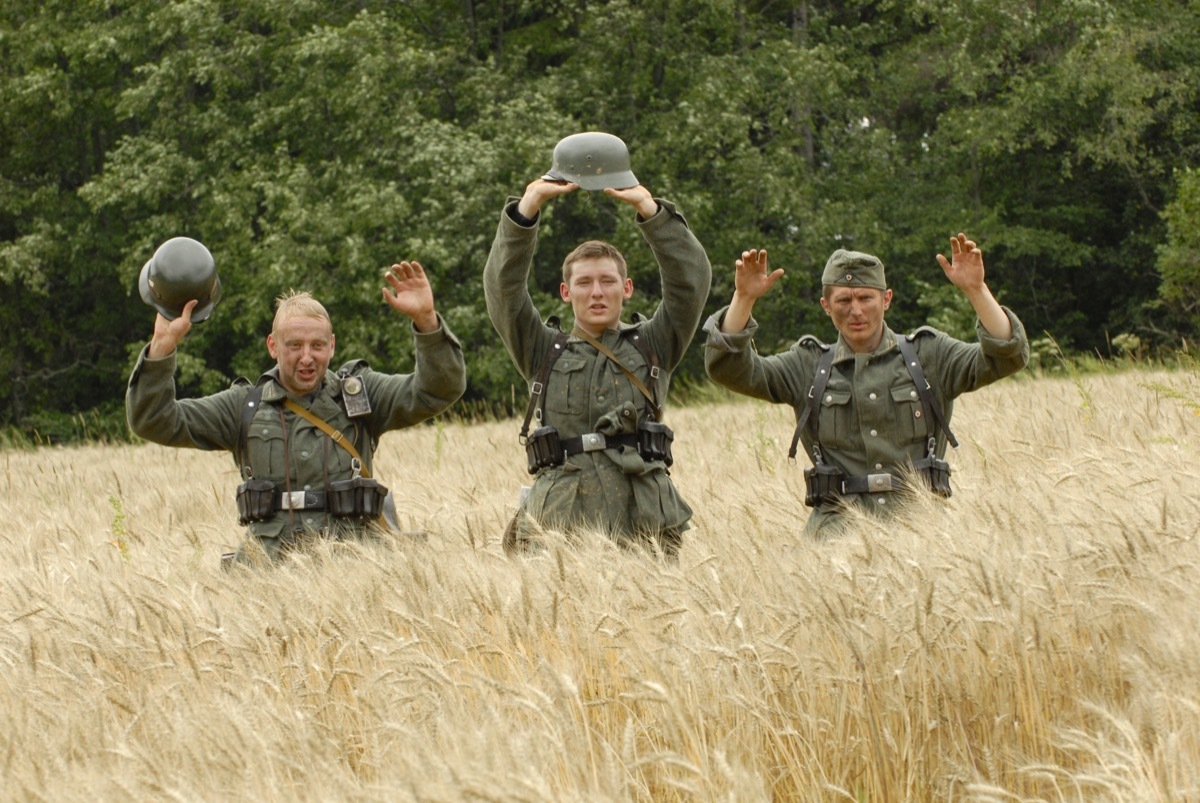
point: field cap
(180, 270)
(853, 269)
(593, 160)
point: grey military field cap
(854, 269)
(180, 270)
(593, 160)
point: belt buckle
(292, 500)
(594, 442)
(879, 483)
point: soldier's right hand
(540, 190)
(751, 279)
(167, 334)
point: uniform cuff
(732, 342)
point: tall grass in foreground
(1033, 638)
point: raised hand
(638, 197)
(168, 334)
(965, 268)
(751, 278)
(411, 294)
(540, 190)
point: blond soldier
(304, 435)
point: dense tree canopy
(311, 143)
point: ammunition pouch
(544, 449)
(937, 475)
(255, 501)
(654, 441)
(822, 483)
(358, 498)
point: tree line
(311, 143)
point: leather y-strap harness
(537, 391)
(250, 407)
(824, 366)
(933, 410)
(655, 410)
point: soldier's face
(857, 312)
(596, 293)
(302, 347)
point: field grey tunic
(284, 447)
(870, 419)
(613, 490)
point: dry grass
(1034, 638)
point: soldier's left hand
(965, 268)
(411, 294)
(638, 197)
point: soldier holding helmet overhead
(594, 433)
(303, 436)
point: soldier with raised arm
(304, 435)
(873, 409)
(594, 432)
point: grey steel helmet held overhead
(180, 270)
(593, 160)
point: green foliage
(311, 145)
(1179, 256)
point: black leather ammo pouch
(543, 449)
(938, 476)
(358, 498)
(255, 501)
(654, 441)
(822, 483)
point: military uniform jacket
(282, 446)
(870, 417)
(613, 490)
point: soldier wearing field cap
(594, 433)
(873, 409)
(304, 435)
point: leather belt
(597, 441)
(873, 484)
(300, 500)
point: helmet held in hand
(593, 160)
(181, 269)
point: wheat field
(1034, 638)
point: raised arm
(752, 278)
(965, 271)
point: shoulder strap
(932, 408)
(537, 392)
(649, 355)
(249, 408)
(655, 410)
(324, 426)
(820, 380)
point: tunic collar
(886, 343)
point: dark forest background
(311, 143)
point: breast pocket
(623, 388)
(567, 387)
(909, 414)
(836, 419)
(264, 445)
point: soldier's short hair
(594, 249)
(298, 304)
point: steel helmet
(593, 160)
(180, 270)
